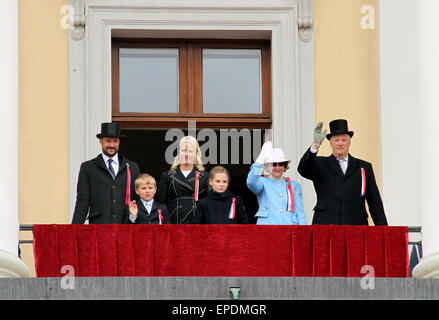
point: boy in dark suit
(147, 211)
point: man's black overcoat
(339, 198)
(100, 198)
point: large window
(165, 83)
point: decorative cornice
(305, 25)
(78, 30)
(305, 20)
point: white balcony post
(10, 265)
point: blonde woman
(185, 183)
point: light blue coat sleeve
(254, 182)
(298, 204)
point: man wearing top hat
(343, 183)
(102, 192)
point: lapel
(141, 206)
(179, 178)
(335, 165)
(352, 165)
(153, 214)
(99, 162)
(154, 207)
(122, 164)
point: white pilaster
(409, 104)
(10, 264)
(429, 114)
(399, 110)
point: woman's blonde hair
(194, 143)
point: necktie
(110, 167)
(148, 207)
(343, 164)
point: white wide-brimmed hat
(276, 156)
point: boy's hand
(133, 208)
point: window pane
(232, 81)
(148, 80)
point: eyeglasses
(280, 164)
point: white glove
(266, 150)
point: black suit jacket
(339, 199)
(143, 217)
(100, 198)
(177, 192)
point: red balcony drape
(220, 250)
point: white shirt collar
(147, 203)
(115, 159)
(345, 158)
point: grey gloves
(318, 136)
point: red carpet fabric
(220, 250)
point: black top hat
(339, 126)
(110, 129)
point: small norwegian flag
(232, 212)
(363, 182)
(197, 183)
(161, 219)
(290, 204)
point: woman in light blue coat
(279, 198)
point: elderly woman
(279, 197)
(186, 182)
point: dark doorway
(148, 147)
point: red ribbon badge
(290, 205)
(128, 190)
(197, 182)
(232, 212)
(161, 219)
(363, 182)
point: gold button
(280, 195)
(278, 183)
(280, 211)
(266, 207)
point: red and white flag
(363, 182)
(161, 219)
(128, 190)
(197, 183)
(232, 212)
(290, 193)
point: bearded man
(106, 183)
